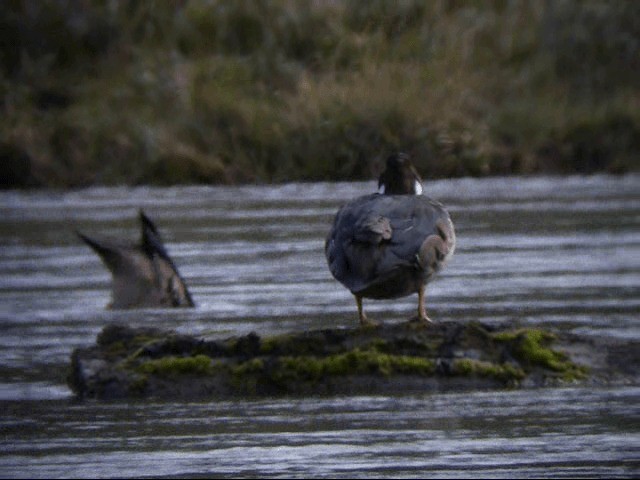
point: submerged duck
(143, 275)
(390, 244)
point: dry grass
(263, 91)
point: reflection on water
(562, 251)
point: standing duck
(143, 275)
(390, 244)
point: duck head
(400, 177)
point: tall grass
(211, 91)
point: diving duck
(390, 244)
(143, 275)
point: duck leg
(364, 321)
(422, 313)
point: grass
(273, 91)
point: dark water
(559, 251)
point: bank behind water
(108, 93)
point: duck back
(387, 246)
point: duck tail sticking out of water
(143, 274)
(392, 243)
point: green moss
(115, 349)
(292, 359)
(127, 347)
(138, 386)
(293, 345)
(504, 372)
(246, 376)
(140, 340)
(250, 367)
(378, 345)
(411, 365)
(296, 369)
(169, 366)
(278, 344)
(354, 362)
(531, 348)
(268, 345)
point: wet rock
(143, 362)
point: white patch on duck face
(381, 189)
(417, 186)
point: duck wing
(414, 218)
(170, 283)
(376, 240)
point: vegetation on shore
(213, 91)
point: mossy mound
(147, 362)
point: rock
(147, 362)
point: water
(550, 251)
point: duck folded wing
(376, 240)
(173, 291)
(413, 220)
(372, 229)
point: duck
(391, 243)
(143, 274)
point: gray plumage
(389, 246)
(143, 275)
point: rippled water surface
(561, 251)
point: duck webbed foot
(421, 319)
